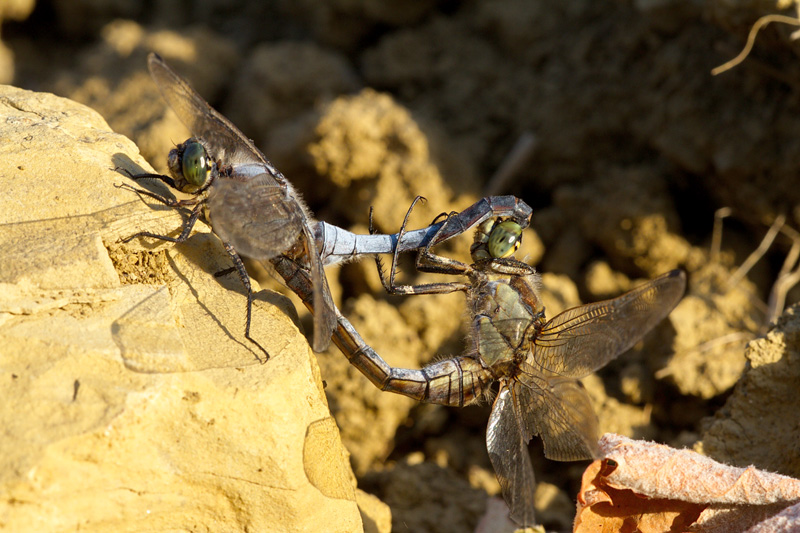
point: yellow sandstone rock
(114, 414)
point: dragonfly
(256, 212)
(536, 362)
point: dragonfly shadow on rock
(170, 330)
(204, 251)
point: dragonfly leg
(507, 265)
(427, 261)
(166, 179)
(245, 279)
(186, 229)
(171, 202)
(449, 266)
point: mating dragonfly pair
(256, 212)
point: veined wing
(255, 218)
(324, 310)
(507, 443)
(578, 341)
(223, 140)
(559, 411)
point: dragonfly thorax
(501, 326)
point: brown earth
(370, 104)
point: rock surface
(757, 425)
(126, 376)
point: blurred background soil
(632, 146)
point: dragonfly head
(190, 166)
(496, 239)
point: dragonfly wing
(560, 412)
(223, 140)
(254, 216)
(261, 222)
(324, 309)
(507, 443)
(578, 341)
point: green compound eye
(504, 239)
(194, 164)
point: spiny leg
(378, 261)
(166, 179)
(427, 261)
(169, 202)
(186, 229)
(446, 266)
(390, 284)
(245, 279)
(506, 265)
(393, 269)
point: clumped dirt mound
(637, 146)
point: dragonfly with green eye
(256, 212)
(537, 362)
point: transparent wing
(256, 219)
(560, 412)
(324, 310)
(223, 140)
(254, 216)
(578, 341)
(507, 444)
(556, 409)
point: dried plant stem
(716, 236)
(512, 164)
(787, 278)
(759, 252)
(751, 37)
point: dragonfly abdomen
(456, 382)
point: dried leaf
(647, 487)
(605, 508)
